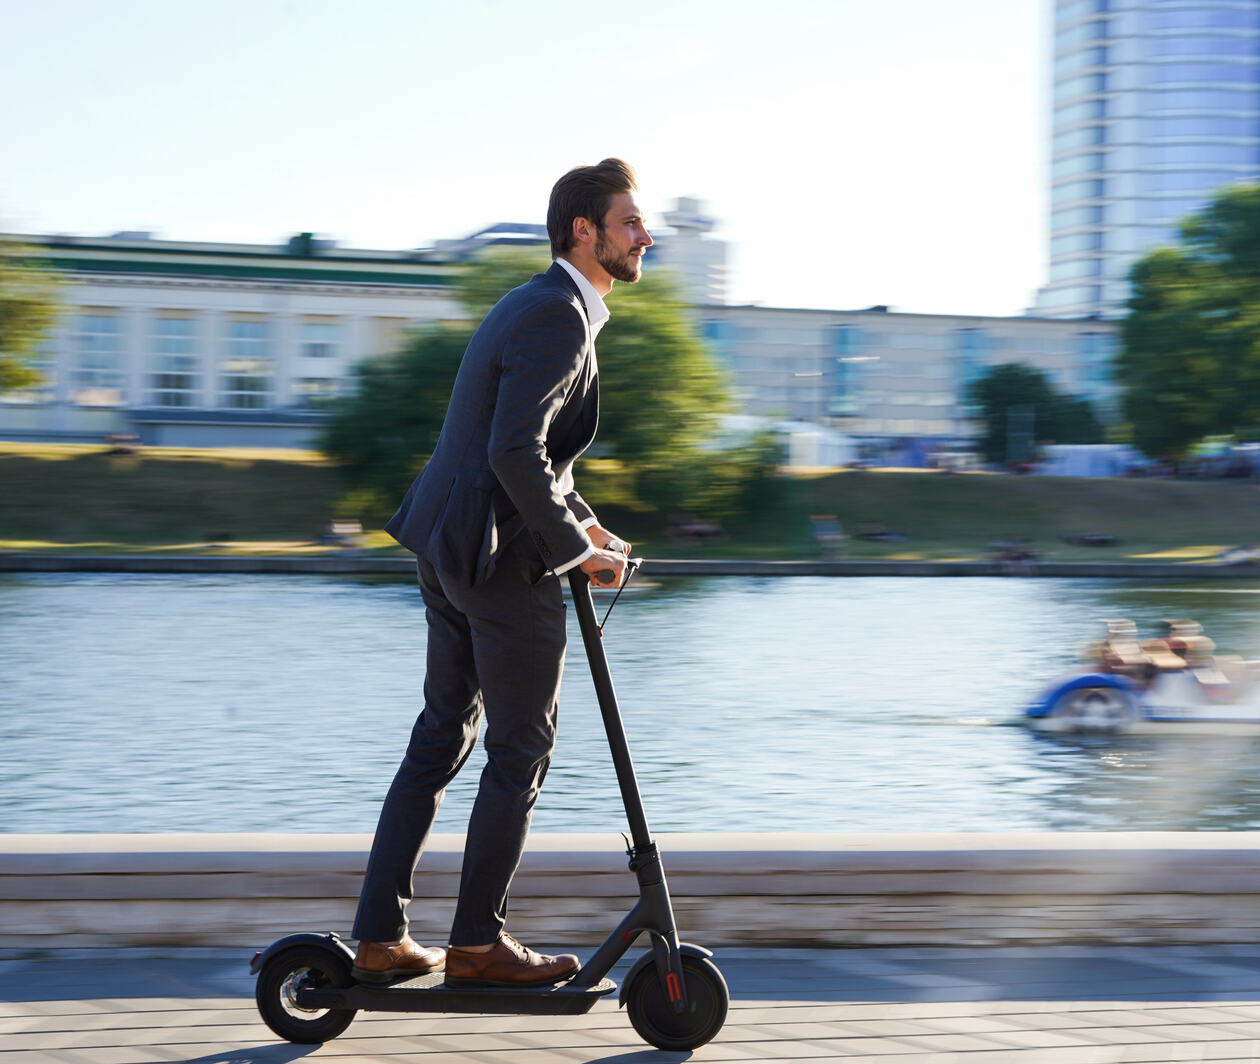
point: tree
(1190, 344)
(28, 309)
(386, 429)
(660, 394)
(649, 342)
(1016, 401)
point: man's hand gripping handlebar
(609, 565)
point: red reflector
(671, 984)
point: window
(1074, 268)
(1239, 99)
(1152, 209)
(1202, 127)
(96, 374)
(721, 336)
(1174, 154)
(971, 351)
(1094, 359)
(174, 376)
(1080, 86)
(1071, 217)
(1080, 112)
(1090, 163)
(1186, 180)
(1206, 19)
(1077, 295)
(1080, 33)
(1066, 245)
(1166, 73)
(246, 367)
(320, 339)
(1205, 47)
(1085, 137)
(1067, 12)
(845, 370)
(1077, 190)
(316, 393)
(1082, 60)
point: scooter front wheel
(297, 969)
(659, 1025)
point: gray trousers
(495, 650)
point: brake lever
(632, 565)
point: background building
(214, 344)
(1156, 104)
(187, 344)
(896, 381)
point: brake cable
(632, 565)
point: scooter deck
(428, 993)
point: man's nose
(646, 240)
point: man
(494, 519)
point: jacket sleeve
(539, 366)
(579, 508)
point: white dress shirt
(597, 313)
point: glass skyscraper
(1156, 104)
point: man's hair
(584, 192)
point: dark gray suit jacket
(524, 406)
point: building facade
(886, 377)
(200, 345)
(1155, 106)
(214, 344)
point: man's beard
(619, 269)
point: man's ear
(584, 231)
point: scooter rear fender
(685, 949)
(330, 941)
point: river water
(137, 703)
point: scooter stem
(618, 746)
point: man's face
(621, 241)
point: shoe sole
(394, 974)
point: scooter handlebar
(607, 576)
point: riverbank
(86, 501)
(785, 890)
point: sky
(853, 152)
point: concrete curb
(353, 563)
(1136, 888)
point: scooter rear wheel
(658, 1024)
(293, 970)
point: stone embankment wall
(768, 890)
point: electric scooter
(674, 994)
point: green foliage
(1014, 395)
(660, 396)
(661, 392)
(383, 433)
(494, 273)
(28, 309)
(1190, 355)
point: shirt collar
(596, 312)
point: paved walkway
(894, 1006)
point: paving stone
(1005, 1006)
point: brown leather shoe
(374, 963)
(507, 964)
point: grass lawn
(82, 499)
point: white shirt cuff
(590, 521)
(558, 569)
